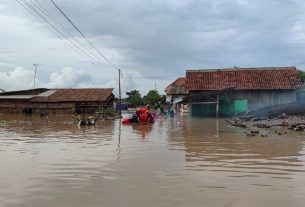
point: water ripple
(177, 162)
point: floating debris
(297, 127)
(82, 120)
(236, 123)
(291, 122)
(263, 126)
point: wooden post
(217, 114)
(217, 106)
(120, 97)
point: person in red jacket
(143, 117)
(151, 118)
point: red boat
(142, 119)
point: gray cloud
(157, 37)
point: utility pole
(36, 66)
(120, 98)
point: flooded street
(177, 162)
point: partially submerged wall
(263, 98)
(295, 108)
(236, 102)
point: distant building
(235, 90)
(175, 93)
(60, 101)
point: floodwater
(176, 162)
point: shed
(60, 100)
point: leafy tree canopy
(152, 97)
(163, 99)
(134, 98)
(302, 75)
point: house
(231, 91)
(175, 92)
(59, 101)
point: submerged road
(176, 162)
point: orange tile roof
(76, 95)
(243, 79)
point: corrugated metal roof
(25, 92)
(16, 96)
(46, 93)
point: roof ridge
(244, 79)
(241, 69)
(82, 89)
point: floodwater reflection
(142, 130)
(176, 162)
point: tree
(302, 75)
(134, 98)
(163, 99)
(152, 97)
(301, 93)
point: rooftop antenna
(36, 66)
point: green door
(240, 106)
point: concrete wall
(253, 99)
(260, 98)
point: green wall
(203, 110)
(240, 106)
(225, 109)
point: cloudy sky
(152, 41)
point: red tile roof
(243, 79)
(76, 95)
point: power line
(137, 75)
(45, 16)
(51, 27)
(48, 14)
(25, 8)
(119, 70)
(52, 22)
(45, 11)
(61, 11)
(60, 32)
(57, 32)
